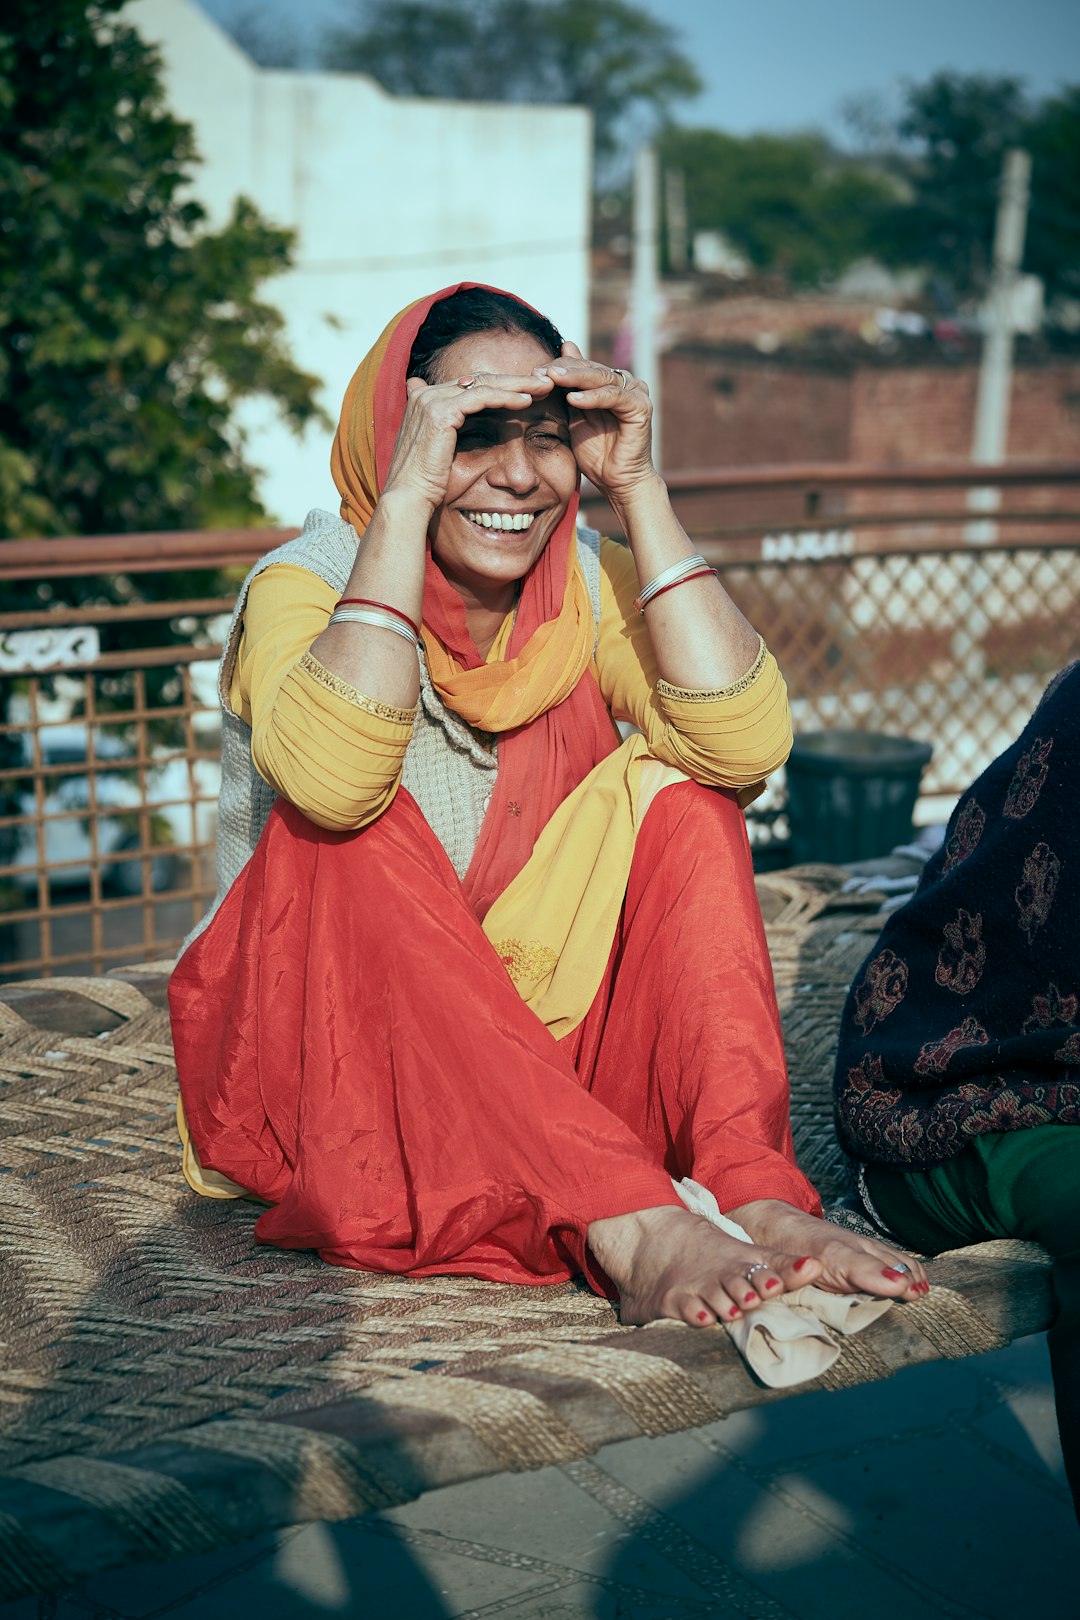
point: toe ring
(759, 1265)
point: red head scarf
(541, 699)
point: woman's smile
(514, 474)
(502, 520)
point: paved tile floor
(940, 1492)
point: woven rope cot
(169, 1387)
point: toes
(900, 1274)
(798, 1271)
(706, 1311)
(907, 1281)
(770, 1275)
(759, 1281)
(890, 1275)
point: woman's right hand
(434, 415)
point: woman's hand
(610, 423)
(435, 414)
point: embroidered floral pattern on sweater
(962, 958)
(935, 1056)
(1035, 891)
(994, 922)
(1028, 778)
(874, 1126)
(883, 987)
(1051, 1009)
(970, 821)
(1070, 1052)
(867, 1079)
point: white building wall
(390, 198)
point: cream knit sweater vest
(448, 770)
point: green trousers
(1020, 1184)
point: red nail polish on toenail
(734, 1311)
(772, 1283)
(748, 1297)
(893, 1276)
(703, 1316)
(805, 1261)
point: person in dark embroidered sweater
(958, 1070)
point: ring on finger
(466, 382)
(759, 1265)
(898, 1265)
(625, 375)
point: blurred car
(68, 846)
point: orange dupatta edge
(541, 699)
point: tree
(129, 331)
(954, 130)
(950, 139)
(1053, 236)
(787, 202)
(607, 55)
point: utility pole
(675, 211)
(990, 439)
(644, 296)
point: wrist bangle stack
(678, 574)
(383, 607)
(382, 619)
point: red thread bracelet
(363, 601)
(699, 573)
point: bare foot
(669, 1263)
(849, 1263)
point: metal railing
(881, 612)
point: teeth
(502, 520)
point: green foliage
(128, 330)
(1053, 239)
(954, 131)
(786, 202)
(923, 191)
(607, 55)
(952, 138)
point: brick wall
(737, 411)
(725, 408)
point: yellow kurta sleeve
(731, 738)
(333, 752)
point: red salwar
(352, 1050)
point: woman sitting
(481, 981)
(958, 1074)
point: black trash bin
(851, 794)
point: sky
(792, 64)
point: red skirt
(352, 1050)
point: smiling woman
(481, 983)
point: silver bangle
(381, 621)
(670, 576)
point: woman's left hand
(610, 422)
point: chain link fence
(882, 613)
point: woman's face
(508, 465)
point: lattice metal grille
(952, 646)
(108, 790)
(950, 643)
